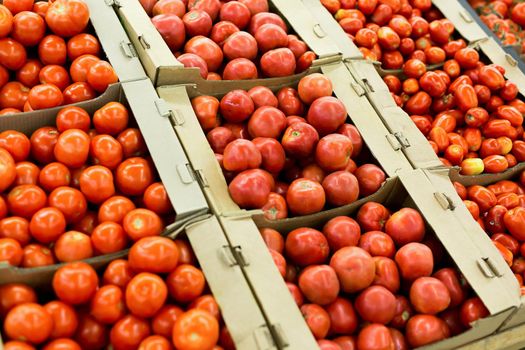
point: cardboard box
(485, 271)
(183, 190)
(163, 68)
(375, 135)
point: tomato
(28, 322)
(278, 63)
(75, 283)
(65, 320)
(482, 196)
(169, 6)
(251, 188)
(374, 336)
(186, 283)
(90, 333)
(206, 303)
(495, 164)
(514, 220)
(306, 246)
(28, 28)
(78, 92)
(376, 304)
(73, 246)
(333, 152)
(106, 151)
(59, 344)
(208, 50)
(17, 345)
(272, 239)
(377, 243)
(96, 183)
(388, 38)
(13, 95)
(26, 200)
(133, 176)
(10, 251)
(362, 273)
(319, 284)
(163, 322)
(82, 44)
(507, 241)
(300, 139)
(372, 216)
(276, 207)
(305, 197)
(118, 273)
(45, 95)
(472, 310)
(6, 18)
(145, 294)
(100, 75)
(54, 74)
(12, 54)
(41, 8)
(341, 188)
(13, 295)
(414, 260)
(140, 223)
(67, 18)
(317, 319)
(16, 228)
(426, 329)
(491, 77)
(405, 226)
(342, 231)
(36, 255)
(370, 178)
(429, 295)
(414, 68)
(47, 225)
(16, 143)
(195, 329)
(81, 66)
(129, 332)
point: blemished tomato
(75, 283)
(129, 332)
(15, 294)
(67, 18)
(186, 283)
(154, 254)
(65, 319)
(195, 329)
(28, 322)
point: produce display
(471, 115)
(504, 18)
(83, 188)
(500, 210)
(376, 280)
(157, 298)
(290, 153)
(48, 58)
(232, 40)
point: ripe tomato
(12, 54)
(132, 142)
(251, 188)
(326, 114)
(375, 336)
(73, 246)
(53, 176)
(36, 255)
(106, 151)
(154, 254)
(300, 139)
(28, 28)
(65, 319)
(78, 92)
(155, 342)
(75, 283)
(81, 66)
(12, 295)
(54, 74)
(133, 176)
(52, 50)
(70, 201)
(129, 332)
(208, 50)
(111, 119)
(13, 95)
(90, 333)
(6, 19)
(16, 143)
(377, 243)
(145, 294)
(425, 329)
(16, 228)
(96, 183)
(28, 322)
(118, 273)
(317, 319)
(376, 304)
(372, 216)
(59, 344)
(414, 260)
(115, 209)
(109, 237)
(319, 284)
(100, 75)
(67, 18)
(405, 226)
(10, 251)
(26, 200)
(82, 44)
(163, 322)
(342, 231)
(306, 246)
(429, 295)
(195, 329)
(45, 96)
(47, 225)
(305, 196)
(358, 278)
(186, 283)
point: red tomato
(12, 54)
(65, 319)
(342, 231)
(343, 319)
(376, 304)
(317, 319)
(67, 18)
(207, 49)
(426, 329)
(100, 75)
(26, 200)
(305, 196)
(357, 278)
(28, 322)
(405, 226)
(374, 336)
(28, 28)
(109, 237)
(341, 188)
(197, 22)
(91, 334)
(145, 294)
(82, 44)
(326, 114)
(195, 329)
(300, 139)
(75, 283)
(472, 310)
(306, 246)
(251, 188)
(278, 63)
(186, 283)
(129, 332)
(319, 284)
(429, 295)
(414, 260)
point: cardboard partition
(163, 68)
(331, 27)
(475, 260)
(414, 144)
(464, 20)
(202, 157)
(285, 321)
(114, 41)
(239, 308)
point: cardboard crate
(434, 196)
(182, 188)
(163, 68)
(384, 147)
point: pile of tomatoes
(156, 299)
(505, 18)
(83, 188)
(289, 153)
(500, 210)
(374, 281)
(230, 40)
(46, 57)
(470, 114)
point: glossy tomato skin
(251, 188)
(306, 246)
(372, 216)
(405, 226)
(300, 139)
(376, 304)
(414, 260)
(319, 284)
(195, 329)
(358, 278)
(305, 197)
(375, 336)
(342, 231)
(75, 283)
(30, 322)
(343, 318)
(426, 329)
(129, 332)
(317, 320)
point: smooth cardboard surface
(268, 285)
(462, 19)
(163, 68)
(329, 25)
(239, 308)
(115, 41)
